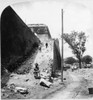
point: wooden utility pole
(62, 49)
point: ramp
(17, 40)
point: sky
(77, 16)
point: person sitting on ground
(36, 71)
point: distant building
(39, 29)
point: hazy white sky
(78, 16)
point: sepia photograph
(46, 49)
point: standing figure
(46, 45)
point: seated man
(36, 71)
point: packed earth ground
(75, 83)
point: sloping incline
(17, 39)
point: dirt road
(73, 90)
(68, 92)
(75, 86)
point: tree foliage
(87, 59)
(70, 60)
(76, 41)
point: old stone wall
(17, 40)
